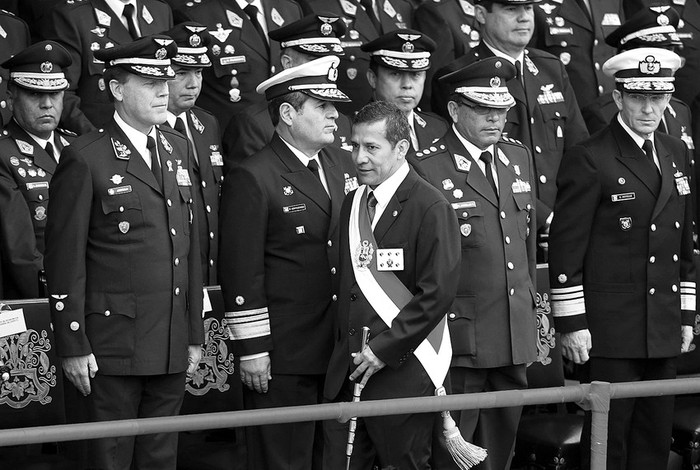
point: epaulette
(435, 148)
(510, 140)
(9, 13)
(67, 132)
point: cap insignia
(161, 53)
(495, 82)
(649, 65)
(195, 40)
(46, 67)
(407, 47)
(662, 20)
(326, 29)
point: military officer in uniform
(653, 26)
(451, 24)
(89, 26)
(397, 71)
(309, 38)
(575, 31)
(30, 146)
(546, 117)
(202, 130)
(122, 260)
(366, 20)
(14, 37)
(279, 256)
(241, 52)
(399, 246)
(490, 183)
(621, 264)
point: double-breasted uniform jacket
(546, 117)
(451, 24)
(14, 37)
(251, 130)
(83, 27)
(237, 50)
(208, 172)
(620, 246)
(492, 320)
(566, 30)
(278, 256)
(352, 71)
(25, 173)
(420, 222)
(122, 257)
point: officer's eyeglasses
(483, 110)
(652, 98)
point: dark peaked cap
(483, 82)
(192, 40)
(40, 67)
(654, 26)
(401, 49)
(316, 35)
(147, 57)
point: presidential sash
(386, 293)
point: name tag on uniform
(119, 190)
(236, 59)
(622, 197)
(183, 177)
(390, 259)
(294, 208)
(38, 185)
(464, 205)
(682, 186)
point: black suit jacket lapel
(395, 206)
(135, 165)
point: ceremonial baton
(357, 389)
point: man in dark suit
(122, 260)
(650, 27)
(546, 117)
(242, 54)
(366, 20)
(29, 149)
(15, 38)
(399, 242)
(278, 259)
(90, 26)
(490, 185)
(451, 24)
(202, 130)
(304, 40)
(575, 31)
(398, 66)
(621, 257)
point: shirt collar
(300, 155)
(244, 3)
(473, 150)
(503, 55)
(638, 139)
(385, 191)
(117, 6)
(40, 141)
(171, 118)
(138, 139)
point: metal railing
(595, 396)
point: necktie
(519, 72)
(252, 12)
(49, 150)
(130, 21)
(648, 148)
(180, 126)
(155, 164)
(371, 206)
(487, 158)
(369, 8)
(313, 168)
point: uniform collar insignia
(462, 162)
(146, 15)
(234, 20)
(25, 147)
(348, 7)
(166, 144)
(276, 17)
(502, 157)
(122, 151)
(103, 19)
(421, 122)
(197, 123)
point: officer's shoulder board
(76, 4)
(435, 148)
(67, 132)
(5, 12)
(511, 141)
